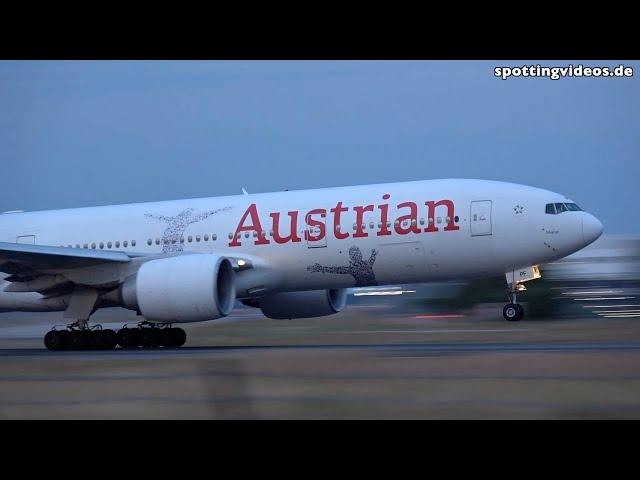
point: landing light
(241, 263)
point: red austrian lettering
(337, 212)
(450, 216)
(360, 221)
(293, 232)
(411, 220)
(254, 226)
(311, 222)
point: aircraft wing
(33, 268)
(17, 256)
(36, 267)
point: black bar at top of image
(416, 39)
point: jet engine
(184, 288)
(315, 303)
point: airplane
(291, 254)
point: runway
(359, 364)
(408, 348)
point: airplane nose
(592, 228)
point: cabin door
(481, 218)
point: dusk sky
(86, 133)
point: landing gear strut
(513, 311)
(79, 336)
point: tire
(512, 312)
(54, 340)
(112, 340)
(150, 337)
(66, 338)
(166, 337)
(520, 311)
(98, 340)
(78, 340)
(93, 340)
(179, 337)
(127, 337)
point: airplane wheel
(127, 337)
(54, 340)
(166, 337)
(179, 336)
(150, 337)
(66, 338)
(112, 339)
(94, 340)
(512, 312)
(78, 340)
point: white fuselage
(343, 237)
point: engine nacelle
(315, 303)
(184, 288)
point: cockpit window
(556, 208)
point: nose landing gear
(513, 311)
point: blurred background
(601, 280)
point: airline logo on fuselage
(316, 220)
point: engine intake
(184, 288)
(315, 303)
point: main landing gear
(513, 311)
(79, 336)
